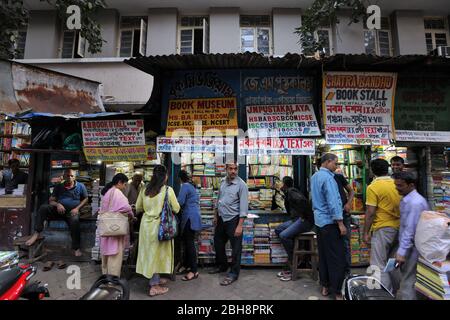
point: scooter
(14, 283)
(358, 287)
(108, 287)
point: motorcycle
(108, 287)
(15, 283)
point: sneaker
(283, 273)
(286, 278)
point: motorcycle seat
(8, 277)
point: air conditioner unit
(443, 51)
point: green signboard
(422, 108)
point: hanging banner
(113, 133)
(422, 107)
(358, 107)
(289, 120)
(108, 154)
(202, 117)
(276, 146)
(200, 144)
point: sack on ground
(432, 238)
(112, 224)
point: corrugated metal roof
(156, 64)
(24, 87)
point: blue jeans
(288, 230)
(348, 256)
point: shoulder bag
(112, 224)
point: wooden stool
(311, 239)
(34, 251)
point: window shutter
(126, 43)
(143, 38)
(68, 44)
(186, 41)
(205, 36)
(81, 46)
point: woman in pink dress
(112, 248)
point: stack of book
(206, 240)
(196, 158)
(207, 199)
(210, 169)
(220, 169)
(248, 242)
(198, 169)
(433, 279)
(441, 191)
(278, 254)
(96, 189)
(262, 244)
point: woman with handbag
(156, 256)
(191, 223)
(114, 214)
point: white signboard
(276, 146)
(358, 107)
(196, 144)
(422, 136)
(289, 120)
(113, 133)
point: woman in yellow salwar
(154, 256)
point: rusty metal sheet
(44, 90)
(8, 103)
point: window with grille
(256, 34)
(378, 42)
(193, 35)
(323, 35)
(436, 34)
(133, 36)
(19, 43)
(73, 44)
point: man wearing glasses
(65, 203)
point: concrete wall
(408, 33)
(126, 84)
(224, 30)
(109, 23)
(162, 31)
(43, 35)
(284, 22)
(348, 38)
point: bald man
(64, 204)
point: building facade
(138, 27)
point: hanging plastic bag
(432, 238)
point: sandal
(195, 276)
(61, 264)
(227, 281)
(325, 292)
(157, 291)
(183, 270)
(48, 266)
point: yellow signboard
(206, 117)
(113, 154)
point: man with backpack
(301, 221)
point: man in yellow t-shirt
(382, 218)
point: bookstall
(15, 138)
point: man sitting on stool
(302, 220)
(65, 203)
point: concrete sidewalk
(253, 283)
